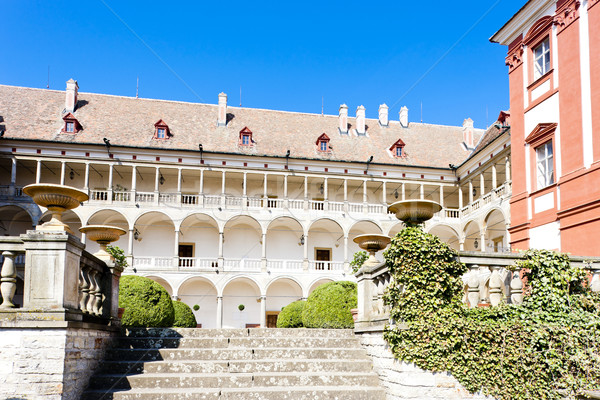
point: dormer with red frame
(246, 137)
(161, 130)
(323, 144)
(397, 149)
(71, 124)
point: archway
(318, 283)
(113, 218)
(198, 241)
(242, 239)
(325, 245)
(162, 282)
(394, 230)
(496, 232)
(241, 291)
(446, 235)
(68, 217)
(156, 236)
(280, 293)
(14, 221)
(284, 246)
(201, 292)
(360, 228)
(472, 236)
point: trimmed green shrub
(146, 303)
(184, 317)
(329, 305)
(196, 307)
(241, 307)
(291, 315)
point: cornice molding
(533, 10)
(566, 15)
(514, 58)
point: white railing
(254, 202)
(212, 200)
(190, 199)
(326, 265)
(144, 197)
(296, 204)
(18, 191)
(451, 213)
(487, 199)
(336, 206)
(375, 209)
(186, 263)
(284, 265)
(98, 195)
(275, 203)
(244, 264)
(153, 262)
(316, 205)
(355, 207)
(168, 198)
(231, 201)
(121, 196)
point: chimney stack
(404, 117)
(468, 132)
(343, 118)
(222, 117)
(383, 115)
(71, 99)
(360, 120)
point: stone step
(249, 342)
(233, 354)
(271, 393)
(209, 367)
(230, 333)
(237, 380)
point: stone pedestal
(52, 275)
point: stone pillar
(13, 172)
(52, 274)
(62, 172)
(422, 191)
(346, 260)
(305, 248)
(365, 191)
(345, 190)
(179, 171)
(264, 246)
(156, 183)
(9, 279)
(494, 177)
(325, 189)
(265, 184)
(130, 243)
(460, 197)
(86, 177)
(221, 239)
(110, 183)
(470, 192)
(263, 311)
(176, 249)
(403, 192)
(219, 312)
(384, 192)
(244, 185)
(442, 196)
(481, 185)
(201, 189)
(507, 168)
(285, 187)
(38, 171)
(223, 183)
(482, 237)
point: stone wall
(50, 359)
(406, 381)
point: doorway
(322, 255)
(186, 255)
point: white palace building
(226, 206)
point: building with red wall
(554, 74)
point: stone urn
(57, 199)
(372, 243)
(413, 212)
(103, 235)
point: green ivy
(359, 259)
(547, 348)
(119, 255)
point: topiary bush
(184, 317)
(146, 303)
(546, 348)
(291, 315)
(329, 305)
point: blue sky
(284, 55)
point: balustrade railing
(144, 197)
(121, 196)
(244, 264)
(326, 265)
(296, 204)
(168, 198)
(212, 200)
(98, 195)
(196, 263)
(355, 207)
(316, 205)
(336, 206)
(284, 265)
(254, 202)
(190, 199)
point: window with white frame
(541, 59)
(160, 133)
(545, 165)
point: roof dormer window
(71, 124)
(161, 130)
(246, 137)
(323, 144)
(397, 149)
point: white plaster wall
(205, 295)
(157, 241)
(242, 241)
(282, 293)
(205, 238)
(282, 244)
(547, 111)
(323, 239)
(236, 293)
(545, 237)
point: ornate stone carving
(514, 58)
(566, 15)
(9, 280)
(57, 199)
(495, 285)
(473, 286)
(516, 288)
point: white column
(178, 180)
(38, 171)
(384, 192)
(223, 183)
(442, 196)
(507, 168)
(201, 190)
(176, 249)
(156, 178)
(470, 192)
(130, 243)
(62, 173)
(403, 192)
(345, 190)
(265, 187)
(364, 191)
(219, 312)
(245, 184)
(460, 197)
(13, 172)
(263, 311)
(133, 178)
(482, 237)
(86, 183)
(221, 234)
(481, 185)
(285, 187)
(305, 246)
(110, 176)
(325, 191)
(264, 246)
(346, 260)
(494, 177)
(422, 191)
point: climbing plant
(359, 259)
(119, 256)
(546, 348)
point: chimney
(343, 118)
(360, 120)
(383, 115)
(222, 118)
(404, 117)
(71, 99)
(468, 132)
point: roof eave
(514, 26)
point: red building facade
(554, 76)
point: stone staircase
(224, 364)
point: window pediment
(323, 143)
(246, 137)
(161, 130)
(397, 148)
(541, 132)
(71, 124)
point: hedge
(329, 305)
(291, 315)
(146, 303)
(184, 316)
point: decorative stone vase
(103, 235)
(372, 243)
(57, 199)
(413, 212)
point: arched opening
(284, 245)
(360, 228)
(325, 246)
(472, 237)
(69, 218)
(394, 230)
(201, 292)
(317, 284)
(14, 221)
(446, 235)
(280, 293)
(113, 218)
(242, 243)
(496, 232)
(154, 246)
(162, 282)
(198, 241)
(241, 292)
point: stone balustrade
(491, 279)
